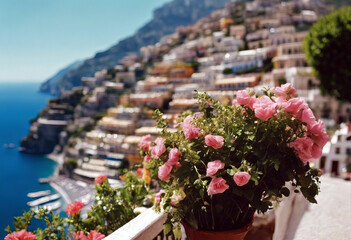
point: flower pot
(236, 234)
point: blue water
(19, 173)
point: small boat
(38, 194)
(9, 145)
(43, 200)
(45, 180)
(49, 207)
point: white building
(337, 153)
(238, 61)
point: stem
(212, 214)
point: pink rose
(187, 121)
(164, 171)
(139, 172)
(306, 149)
(294, 106)
(74, 208)
(20, 235)
(214, 141)
(173, 156)
(93, 235)
(280, 101)
(178, 165)
(176, 198)
(235, 103)
(319, 135)
(285, 90)
(198, 114)
(241, 178)
(145, 142)
(307, 116)
(213, 167)
(158, 196)
(147, 158)
(100, 179)
(316, 151)
(252, 102)
(264, 108)
(190, 131)
(158, 150)
(160, 141)
(243, 97)
(217, 185)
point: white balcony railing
(146, 226)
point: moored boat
(43, 200)
(38, 194)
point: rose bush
(226, 162)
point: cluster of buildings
(244, 45)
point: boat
(38, 194)
(48, 207)
(45, 180)
(43, 200)
(9, 145)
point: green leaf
(8, 229)
(285, 191)
(167, 228)
(307, 194)
(201, 192)
(231, 172)
(177, 231)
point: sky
(39, 37)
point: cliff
(45, 131)
(50, 84)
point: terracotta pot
(237, 234)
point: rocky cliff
(45, 131)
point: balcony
(148, 225)
(295, 218)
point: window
(348, 151)
(322, 162)
(339, 138)
(348, 138)
(337, 150)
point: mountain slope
(50, 84)
(164, 22)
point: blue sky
(38, 37)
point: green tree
(227, 71)
(328, 50)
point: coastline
(61, 191)
(70, 189)
(56, 157)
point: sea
(19, 172)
